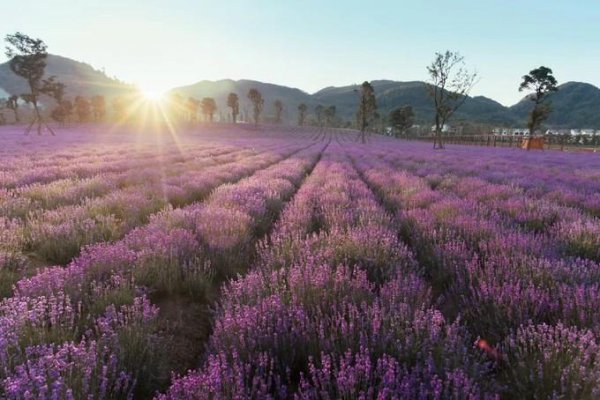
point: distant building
(449, 129)
(511, 131)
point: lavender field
(295, 263)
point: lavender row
(23, 172)
(183, 251)
(19, 202)
(506, 286)
(335, 308)
(563, 179)
(565, 229)
(109, 218)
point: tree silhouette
(541, 82)
(28, 60)
(82, 108)
(177, 107)
(233, 102)
(329, 113)
(450, 84)
(278, 110)
(193, 106)
(98, 107)
(257, 102)
(319, 114)
(209, 107)
(62, 111)
(366, 108)
(119, 107)
(12, 103)
(56, 90)
(402, 119)
(302, 109)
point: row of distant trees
(449, 86)
(95, 108)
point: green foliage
(541, 82)
(257, 102)
(402, 119)
(366, 108)
(209, 107)
(302, 109)
(233, 102)
(278, 110)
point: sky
(311, 44)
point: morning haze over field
(300, 200)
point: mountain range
(575, 105)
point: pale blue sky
(311, 44)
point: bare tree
(233, 102)
(278, 110)
(302, 109)
(541, 82)
(450, 84)
(258, 102)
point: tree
(176, 107)
(366, 108)
(278, 110)
(82, 108)
(12, 103)
(329, 113)
(402, 119)
(319, 114)
(119, 107)
(62, 111)
(193, 106)
(302, 109)
(98, 107)
(56, 90)
(209, 106)
(449, 87)
(3, 105)
(28, 60)
(233, 102)
(257, 102)
(541, 82)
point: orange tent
(537, 143)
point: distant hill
(389, 94)
(575, 105)
(392, 94)
(79, 78)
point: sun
(152, 94)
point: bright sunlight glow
(152, 94)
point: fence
(583, 143)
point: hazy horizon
(310, 46)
